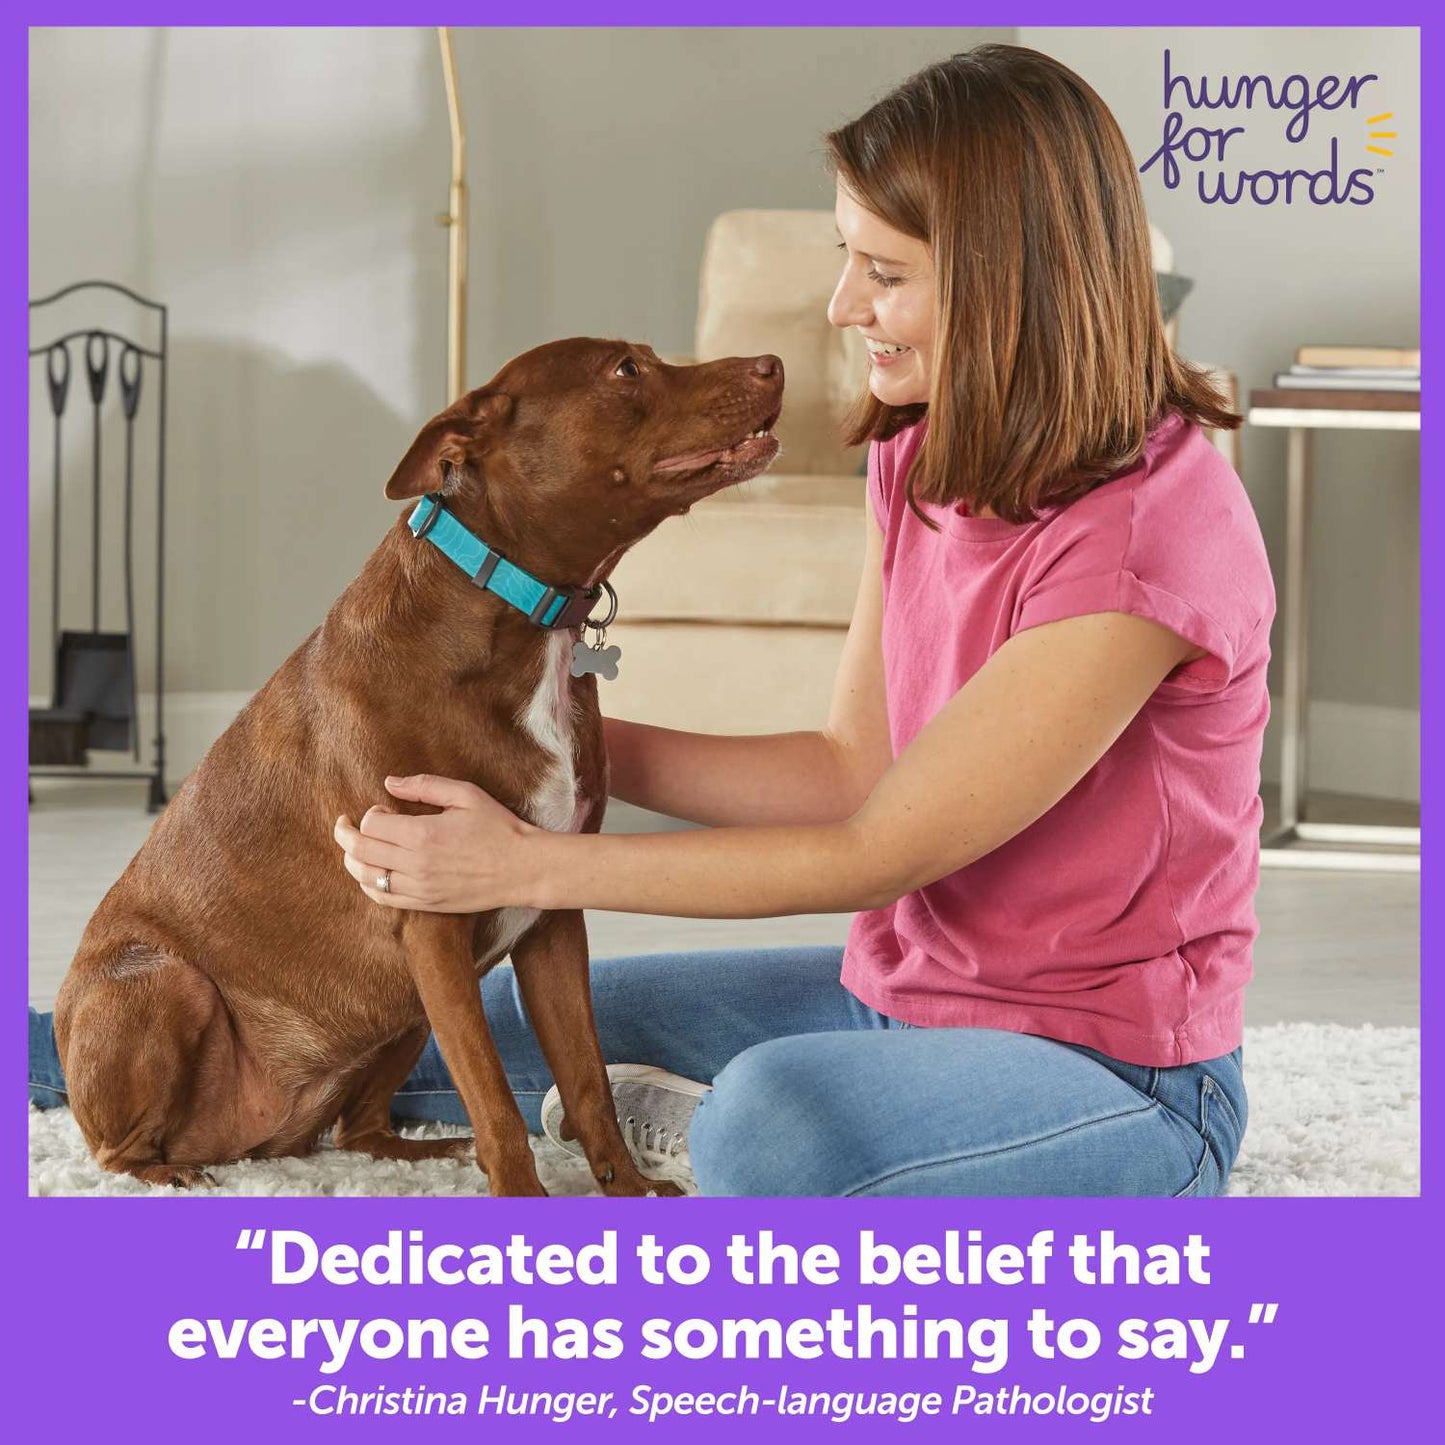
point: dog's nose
(767, 365)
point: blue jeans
(815, 1093)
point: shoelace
(652, 1138)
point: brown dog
(235, 994)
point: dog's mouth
(759, 446)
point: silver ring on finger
(383, 882)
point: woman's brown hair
(1050, 362)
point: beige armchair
(732, 618)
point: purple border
(93, 1285)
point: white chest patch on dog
(557, 804)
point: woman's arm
(777, 778)
(1005, 748)
(724, 781)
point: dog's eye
(627, 368)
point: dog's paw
(176, 1176)
(383, 1144)
(517, 1185)
(629, 1184)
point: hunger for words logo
(1221, 177)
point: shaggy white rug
(1332, 1110)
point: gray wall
(279, 188)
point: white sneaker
(654, 1109)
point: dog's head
(583, 446)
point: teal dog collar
(550, 607)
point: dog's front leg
(439, 955)
(551, 965)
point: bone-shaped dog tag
(602, 661)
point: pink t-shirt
(1123, 918)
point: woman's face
(886, 291)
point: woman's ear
(446, 440)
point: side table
(1303, 412)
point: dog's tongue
(690, 459)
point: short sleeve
(1124, 591)
(1181, 547)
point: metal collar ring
(611, 611)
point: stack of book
(1340, 377)
(1353, 368)
(1379, 378)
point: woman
(1038, 784)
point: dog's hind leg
(364, 1123)
(149, 1058)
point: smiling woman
(1051, 362)
(894, 310)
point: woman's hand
(462, 860)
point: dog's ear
(422, 469)
(446, 439)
